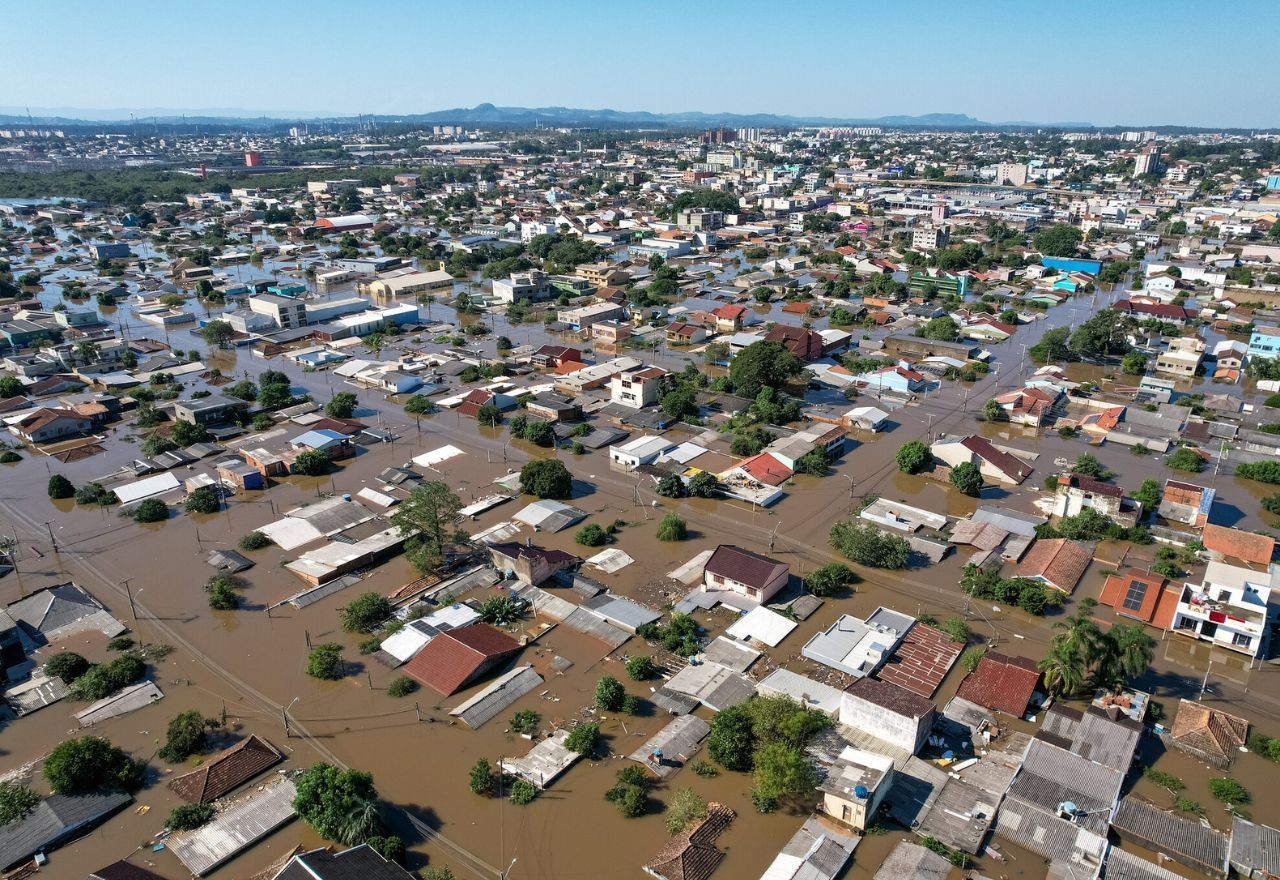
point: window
(846, 813)
(1240, 640)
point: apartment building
(1231, 607)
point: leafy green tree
(591, 535)
(1054, 346)
(16, 801)
(540, 433)
(1262, 471)
(869, 546)
(522, 792)
(185, 736)
(913, 457)
(60, 487)
(480, 780)
(157, 444)
(763, 365)
(1228, 791)
(310, 463)
(10, 387)
(830, 579)
(1134, 363)
(671, 486)
(105, 679)
(342, 405)
(186, 433)
(731, 743)
(1058, 240)
(499, 610)
(703, 484)
(1148, 495)
(151, 510)
(943, 328)
(419, 404)
(489, 414)
(546, 478)
(427, 517)
(1087, 465)
(91, 764)
(582, 739)
(365, 612)
(640, 667)
(1102, 335)
(680, 403)
(339, 805)
(967, 477)
(782, 772)
(66, 665)
(609, 694)
(203, 499)
(525, 721)
(325, 661)
(217, 333)
(672, 528)
(686, 807)
(242, 390)
(222, 594)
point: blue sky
(1118, 62)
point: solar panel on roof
(1136, 593)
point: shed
(54, 820)
(497, 696)
(229, 561)
(122, 702)
(226, 771)
(672, 747)
(235, 830)
(1186, 841)
(545, 761)
(762, 625)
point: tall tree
(426, 517)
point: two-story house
(636, 387)
(1074, 493)
(1231, 607)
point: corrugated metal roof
(237, 829)
(500, 694)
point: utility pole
(52, 539)
(129, 593)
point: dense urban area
(393, 501)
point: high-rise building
(1011, 173)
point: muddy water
(252, 663)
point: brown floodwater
(251, 663)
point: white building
(1231, 607)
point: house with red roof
(50, 423)
(800, 341)
(1141, 596)
(1224, 542)
(764, 468)
(995, 463)
(1001, 684)
(1058, 562)
(1027, 406)
(459, 657)
(730, 318)
(748, 575)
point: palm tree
(362, 821)
(1064, 670)
(1125, 652)
(1079, 634)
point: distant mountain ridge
(491, 115)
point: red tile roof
(454, 658)
(1239, 544)
(226, 771)
(766, 469)
(475, 399)
(1198, 728)
(1145, 589)
(1015, 468)
(1001, 683)
(1058, 561)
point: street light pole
(129, 593)
(284, 713)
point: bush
(582, 739)
(704, 770)
(867, 545)
(1262, 471)
(325, 661)
(186, 817)
(1228, 791)
(830, 579)
(66, 665)
(388, 846)
(365, 612)
(671, 486)
(525, 721)
(184, 737)
(204, 499)
(956, 629)
(9, 457)
(107, 678)
(972, 657)
(686, 806)
(522, 792)
(672, 528)
(730, 742)
(95, 493)
(1186, 459)
(90, 764)
(151, 510)
(639, 668)
(310, 463)
(631, 800)
(255, 540)
(546, 478)
(591, 535)
(340, 805)
(609, 694)
(480, 779)
(1164, 780)
(401, 686)
(499, 610)
(222, 594)
(437, 873)
(16, 801)
(60, 487)
(370, 645)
